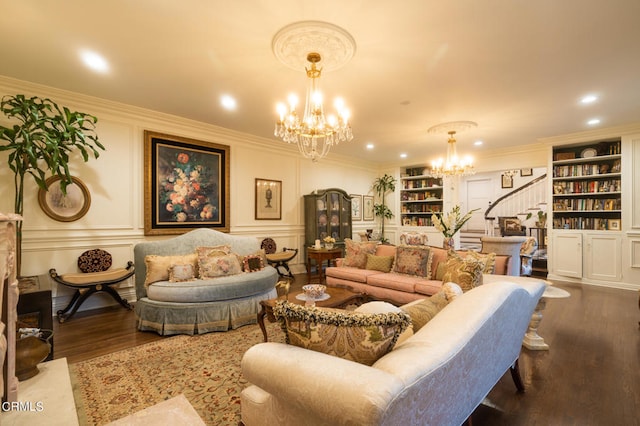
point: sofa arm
(322, 385)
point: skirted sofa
(199, 282)
(401, 274)
(438, 376)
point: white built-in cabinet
(593, 226)
(595, 256)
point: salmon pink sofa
(384, 282)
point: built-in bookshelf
(587, 186)
(420, 196)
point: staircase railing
(517, 202)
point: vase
(31, 351)
(448, 243)
(328, 246)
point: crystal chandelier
(313, 132)
(454, 165)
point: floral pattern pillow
(181, 272)
(356, 253)
(206, 253)
(219, 266)
(359, 337)
(466, 272)
(414, 260)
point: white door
(479, 193)
(566, 252)
(603, 257)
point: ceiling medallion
(293, 43)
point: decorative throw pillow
(158, 266)
(379, 263)
(219, 266)
(95, 260)
(378, 307)
(359, 337)
(356, 253)
(451, 291)
(423, 311)
(442, 268)
(181, 272)
(414, 260)
(488, 260)
(252, 263)
(205, 253)
(467, 272)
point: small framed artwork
(367, 207)
(268, 199)
(186, 184)
(507, 181)
(526, 172)
(614, 224)
(64, 207)
(356, 207)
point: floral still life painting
(188, 185)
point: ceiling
(517, 68)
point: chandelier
(314, 133)
(454, 165)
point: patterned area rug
(206, 369)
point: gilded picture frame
(268, 199)
(63, 207)
(186, 184)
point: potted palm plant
(41, 141)
(382, 186)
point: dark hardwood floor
(590, 375)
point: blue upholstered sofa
(200, 305)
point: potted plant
(382, 186)
(542, 219)
(41, 142)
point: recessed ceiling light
(589, 99)
(593, 121)
(478, 143)
(94, 61)
(228, 102)
(369, 146)
(403, 155)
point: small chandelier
(454, 165)
(313, 132)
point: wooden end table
(340, 298)
(320, 255)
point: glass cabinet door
(345, 219)
(335, 215)
(322, 216)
